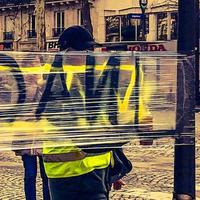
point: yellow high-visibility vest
(65, 169)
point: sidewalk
(150, 179)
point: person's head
(77, 38)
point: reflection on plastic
(85, 98)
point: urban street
(120, 69)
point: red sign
(146, 47)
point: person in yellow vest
(73, 172)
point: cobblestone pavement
(151, 178)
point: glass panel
(63, 20)
(9, 26)
(162, 26)
(58, 21)
(129, 29)
(32, 22)
(174, 19)
(112, 28)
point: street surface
(150, 179)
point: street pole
(143, 6)
(184, 155)
(143, 26)
(197, 54)
(85, 14)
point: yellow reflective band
(64, 157)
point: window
(112, 28)
(9, 23)
(123, 28)
(174, 17)
(79, 18)
(129, 29)
(32, 27)
(167, 26)
(32, 22)
(59, 23)
(8, 33)
(59, 19)
(162, 26)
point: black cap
(76, 37)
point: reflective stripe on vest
(64, 157)
(78, 167)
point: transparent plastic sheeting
(85, 98)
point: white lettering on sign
(147, 47)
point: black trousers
(90, 186)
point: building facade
(112, 22)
